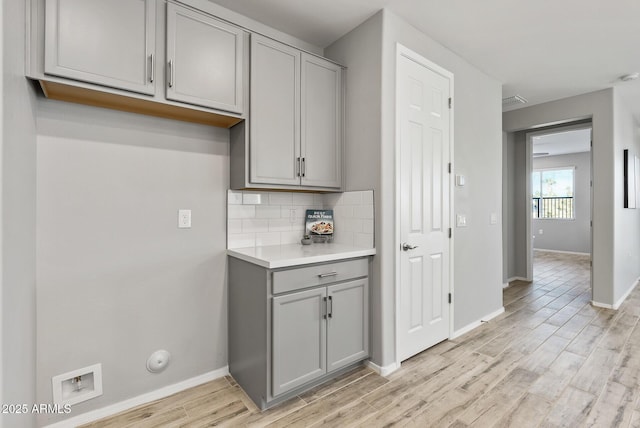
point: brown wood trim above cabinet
(75, 94)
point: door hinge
(450, 232)
(450, 298)
(591, 223)
(450, 102)
(449, 167)
(590, 263)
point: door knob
(407, 247)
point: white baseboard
(620, 301)
(505, 285)
(517, 278)
(383, 370)
(476, 324)
(601, 305)
(148, 397)
(578, 253)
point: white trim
(505, 285)
(578, 253)
(148, 397)
(475, 324)
(626, 294)
(382, 370)
(402, 50)
(601, 305)
(518, 278)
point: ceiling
(542, 50)
(563, 142)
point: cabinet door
(109, 43)
(204, 60)
(321, 124)
(299, 339)
(348, 323)
(275, 113)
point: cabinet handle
(170, 73)
(298, 167)
(326, 275)
(152, 68)
(325, 308)
(304, 167)
(330, 310)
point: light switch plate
(460, 180)
(461, 220)
(494, 218)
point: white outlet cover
(184, 219)
(460, 180)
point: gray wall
(567, 235)
(18, 167)
(116, 278)
(477, 155)
(361, 51)
(626, 255)
(599, 107)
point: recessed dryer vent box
(78, 385)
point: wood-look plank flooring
(550, 360)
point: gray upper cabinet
(109, 43)
(295, 137)
(321, 126)
(299, 339)
(204, 60)
(275, 113)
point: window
(552, 191)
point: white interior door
(423, 115)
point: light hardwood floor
(550, 360)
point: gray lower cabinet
(290, 329)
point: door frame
(403, 51)
(529, 190)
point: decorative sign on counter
(319, 222)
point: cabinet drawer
(296, 279)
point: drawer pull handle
(326, 275)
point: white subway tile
(234, 226)
(269, 238)
(364, 240)
(303, 199)
(280, 198)
(318, 200)
(352, 198)
(367, 197)
(290, 237)
(332, 199)
(264, 211)
(234, 198)
(298, 226)
(279, 225)
(368, 226)
(343, 237)
(342, 211)
(241, 240)
(241, 211)
(363, 211)
(255, 198)
(354, 224)
(251, 225)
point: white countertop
(279, 256)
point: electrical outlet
(184, 219)
(292, 215)
(540, 232)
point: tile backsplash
(275, 218)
